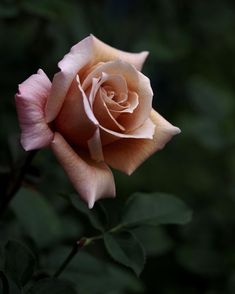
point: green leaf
(92, 215)
(19, 262)
(126, 249)
(37, 217)
(4, 285)
(155, 209)
(93, 275)
(7, 286)
(154, 239)
(54, 286)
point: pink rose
(96, 112)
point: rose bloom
(97, 112)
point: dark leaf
(37, 216)
(53, 286)
(126, 249)
(19, 262)
(7, 286)
(154, 239)
(93, 275)
(92, 215)
(4, 285)
(155, 209)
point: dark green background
(192, 71)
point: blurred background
(192, 71)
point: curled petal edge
(30, 104)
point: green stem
(79, 245)
(15, 180)
(116, 229)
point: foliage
(19, 263)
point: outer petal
(30, 104)
(79, 56)
(89, 51)
(127, 154)
(105, 52)
(76, 121)
(92, 180)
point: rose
(97, 112)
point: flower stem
(79, 245)
(15, 180)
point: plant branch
(79, 245)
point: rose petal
(118, 85)
(100, 102)
(103, 115)
(115, 81)
(136, 82)
(30, 104)
(76, 121)
(89, 51)
(95, 146)
(91, 180)
(132, 104)
(79, 56)
(146, 131)
(105, 53)
(127, 154)
(145, 95)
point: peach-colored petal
(136, 82)
(89, 51)
(146, 131)
(131, 104)
(103, 115)
(79, 56)
(100, 101)
(114, 93)
(91, 94)
(127, 154)
(76, 121)
(141, 112)
(30, 104)
(87, 106)
(105, 52)
(91, 180)
(114, 67)
(95, 146)
(115, 83)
